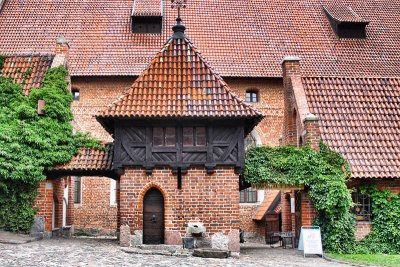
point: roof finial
(179, 28)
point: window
(251, 96)
(141, 24)
(113, 192)
(194, 136)
(75, 94)
(248, 195)
(164, 136)
(77, 190)
(362, 207)
(351, 26)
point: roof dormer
(1, 4)
(147, 16)
(345, 22)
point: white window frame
(113, 192)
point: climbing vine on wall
(31, 143)
(324, 173)
(2, 59)
(385, 234)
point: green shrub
(385, 234)
(31, 143)
(324, 173)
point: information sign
(310, 240)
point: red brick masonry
(210, 199)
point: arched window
(252, 96)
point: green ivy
(324, 173)
(31, 143)
(385, 234)
(2, 59)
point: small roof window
(345, 22)
(147, 16)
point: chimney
(62, 49)
(291, 70)
(312, 134)
(291, 66)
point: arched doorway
(153, 217)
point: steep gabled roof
(249, 38)
(179, 82)
(360, 118)
(27, 70)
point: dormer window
(147, 16)
(345, 22)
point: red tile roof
(90, 160)
(267, 204)
(360, 118)
(341, 11)
(27, 70)
(238, 37)
(147, 8)
(179, 82)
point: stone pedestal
(125, 236)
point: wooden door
(153, 217)
(271, 227)
(298, 214)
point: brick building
(315, 69)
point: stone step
(211, 253)
(170, 248)
(177, 253)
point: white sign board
(310, 240)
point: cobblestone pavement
(94, 252)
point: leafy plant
(385, 234)
(31, 143)
(2, 59)
(324, 173)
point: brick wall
(96, 93)
(45, 203)
(270, 92)
(362, 230)
(253, 229)
(290, 134)
(210, 199)
(308, 212)
(95, 214)
(286, 213)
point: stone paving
(95, 252)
